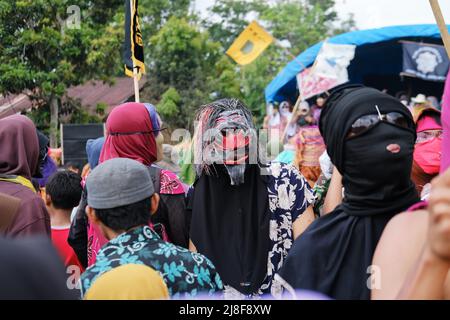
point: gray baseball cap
(118, 182)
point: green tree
(182, 58)
(169, 104)
(155, 13)
(42, 56)
(229, 17)
(255, 78)
(224, 79)
(301, 23)
(186, 61)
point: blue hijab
(93, 150)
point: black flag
(427, 62)
(134, 46)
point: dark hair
(126, 217)
(72, 165)
(64, 188)
(215, 108)
(432, 113)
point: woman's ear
(154, 203)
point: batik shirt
(289, 196)
(185, 273)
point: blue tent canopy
(378, 55)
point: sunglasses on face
(365, 123)
(425, 136)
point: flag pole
(135, 73)
(441, 24)
(300, 97)
(136, 85)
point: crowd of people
(359, 210)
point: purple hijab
(48, 168)
(19, 156)
(20, 147)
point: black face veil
(366, 164)
(334, 254)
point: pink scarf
(445, 117)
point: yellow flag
(250, 44)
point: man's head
(121, 196)
(63, 190)
(73, 167)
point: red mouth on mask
(234, 146)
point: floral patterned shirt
(185, 273)
(289, 196)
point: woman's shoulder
(399, 247)
(281, 173)
(408, 223)
(288, 185)
(404, 233)
(24, 193)
(282, 170)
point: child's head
(73, 167)
(63, 190)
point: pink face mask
(445, 117)
(427, 155)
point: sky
(379, 13)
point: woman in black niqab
(333, 256)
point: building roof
(13, 104)
(94, 92)
(90, 94)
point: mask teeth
(236, 173)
